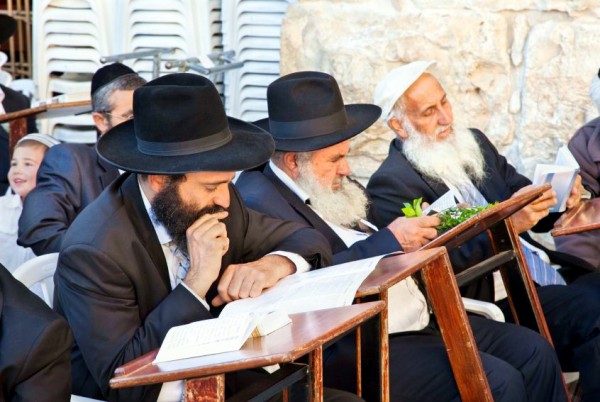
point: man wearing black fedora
(73, 175)
(170, 241)
(306, 181)
(10, 101)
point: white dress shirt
(408, 309)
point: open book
(314, 290)
(217, 335)
(561, 174)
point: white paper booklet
(446, 201)
(561, 175)
(314, 290)
(205, 337)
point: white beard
(343, 207)
(457, 159)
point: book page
(444, 202)
(561, 178)
(205, 337)
(319, 289)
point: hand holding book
(563, 175)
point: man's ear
(397, 127)
(290, 162)
(157, 182)
(100, 121)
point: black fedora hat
(8, 26)
(307, 112)
(180, 126)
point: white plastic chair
(38, 275)
(485, 309)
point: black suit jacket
(397, 181)
(35, 346)
(70, 177)
(13, 101)
(263, 191)
(112, 281)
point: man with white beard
(307, 181)
(431, 156)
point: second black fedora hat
(8, 26)
(307, 112)
(180, 126)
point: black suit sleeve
(53, 204)
(106, 319)
(284, 236)
(48, 369)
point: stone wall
(519, 70)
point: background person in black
(73, 175)
(35, 345)
(13, 101)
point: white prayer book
(319, 289)
(448, 200)
(561, 175)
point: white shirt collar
(161, 231)
(287, 180)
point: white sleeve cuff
(301, 264)
(204, 303)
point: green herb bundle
(450, 217)
(454, 216)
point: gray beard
(343, 207)
(456, 159)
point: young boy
(26, 159)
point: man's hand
(207, 242)
(240, 281)
(575, 195)
(529, 216)
(412, 233)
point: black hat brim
(8, 26)
(249, 147)
(360, 117)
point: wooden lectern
(584, 217)
(507, 255)
(18, 120)
(445, 301)
(306, 335)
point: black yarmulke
(108, 74)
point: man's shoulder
(254, 186)
(71, 150)
(249, 179)
(21, 305)
(393, 166)
(97, 223)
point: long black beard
(177, 216)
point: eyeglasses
(124, 117)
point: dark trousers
(520, 365)
(573, 316)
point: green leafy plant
(413, 210)
(454, 216)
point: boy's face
(23, 168)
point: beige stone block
(569, 6)
(561, 58)
(359, 44)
